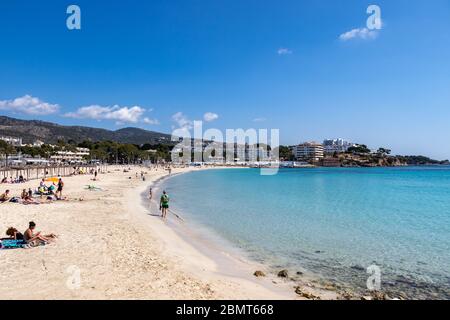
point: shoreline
(235, 262)
(205, 259)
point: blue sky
(248, 64)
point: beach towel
(12, 244)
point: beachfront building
(241, 153)
(38, 144)
(331, 146)
(308, 151)
(255, 153)
(70, 156)
(16, 142)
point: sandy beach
(111, 246)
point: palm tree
(6, 149)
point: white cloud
(259, 119)
(120, 114)
(284, 51)
(361, 33)
(29, 105)
(150, 121)
(182, 121)
(209, 116)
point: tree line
(104, 151)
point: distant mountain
(32, 130)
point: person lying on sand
(36, 238)
(5, 197)
(13, 234)
(27, 197)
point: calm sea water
(333, 222)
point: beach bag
(14, 200)
(12, 244)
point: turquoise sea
(331, 222)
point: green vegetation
(384, 151)
(422, 160)
(285, 153)
(114, 152)
(359, 148)
(104, 151)
(6, 149)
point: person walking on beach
(164, 204)
(60, 188)
(150, 194)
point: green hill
(32, 130)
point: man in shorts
(164, 204)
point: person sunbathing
(36, 238)
(27, 198)
(5, 197)
(13, 234)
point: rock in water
(283, 274)
(259, 273)
(306, 295)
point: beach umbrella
(53, 179)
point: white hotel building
(332, 146)
(16, 142)
(69, 156)
(308, 151)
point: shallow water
(332, 222)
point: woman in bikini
(36, 238)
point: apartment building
(308, 151)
